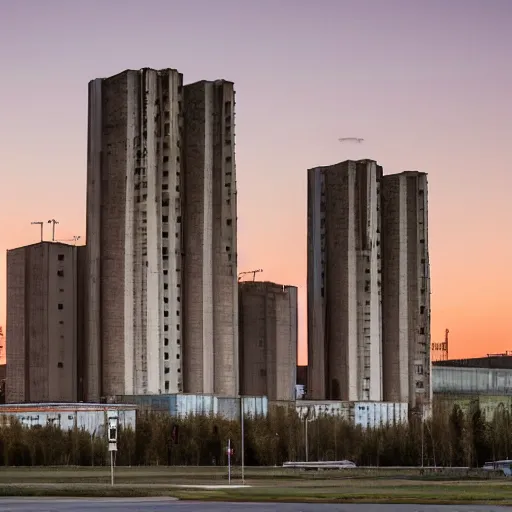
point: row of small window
(166, 384)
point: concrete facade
(134, 234)
(268, 340)
(210, 261)
(344, 278)
(42, 323)
(405, 289)
(161, 298)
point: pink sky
(426, 83)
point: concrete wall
(268, 339)
(406, 288)
(344, 304)
(42, 323)
(211, 293)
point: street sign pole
(112, 441)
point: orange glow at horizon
(427, 85)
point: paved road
(161, 505)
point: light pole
(309, 415)
(53, 221)
(422, 436)
(242, 436)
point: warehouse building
(486, 381)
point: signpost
(112, 440)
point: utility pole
(53, 221)
(40, 224)
(242, 435)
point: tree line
(450, 438)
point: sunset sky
(427, 84)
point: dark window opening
(60, 273)
(166, 370)
(60, 257)
(166, 328)
(165, 218)
(165, 234)
(166, 341)
(166, 313)
(60, 365)
(166, 355)
(61, 306)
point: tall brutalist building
(161, 302)
(344, 282)
(368, 285)
(406, 290)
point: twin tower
(368, 285)
(161, 237)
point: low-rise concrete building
(268, 340)
(43, 316)
(67, 416)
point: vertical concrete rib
(225, 282)
(198, 320)
(317, 375)
(154, 246)
(129, 228)
(93, 248)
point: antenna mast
(40, 224)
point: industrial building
(268, 340)
(405, 289)
(182, 405)
(161, 236)
(67, 416)
(44, 322)
(486, 381)
(365, 414)
(344, 280)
